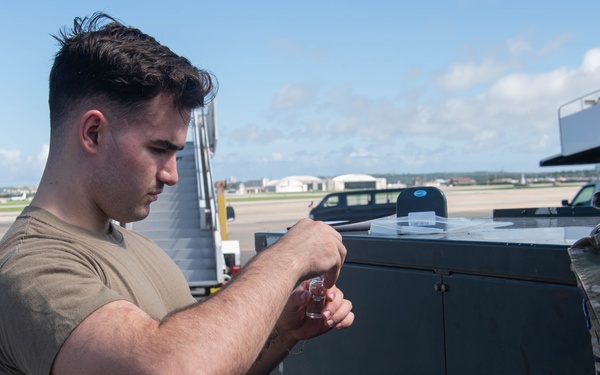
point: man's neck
(65, 203)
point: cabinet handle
(440, 288)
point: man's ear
(91, 126)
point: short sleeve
(44, 295)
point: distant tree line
(483, 178)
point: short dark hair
(100, 58)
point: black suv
(584, 196)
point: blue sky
(328, 88)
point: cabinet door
(398, 327)
(502, 326)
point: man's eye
(159, 151)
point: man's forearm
(273, 352)
(236, 322)
(222, 335)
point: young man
(82, 296)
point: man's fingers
(318, 247)
(332, 275)
(347, 322)
(340, 317)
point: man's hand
(317, 247)
(293, 321)
(308, 249)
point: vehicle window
(332, 201)
(385, 198)
(584, 197)
(358, 199)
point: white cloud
(591, 61)
(18, 168)
(468, 74)
(10, 164)
(519, 45)
(37, 162)
(556, 44)
(9, 157)
(363, 153)
(295, 49)
(292, 96)
(482, 140)
(511, 122)
(253, 133)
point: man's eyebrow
(166, 144)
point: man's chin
(132, 217)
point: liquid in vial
(317, 298)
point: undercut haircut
(102, 59)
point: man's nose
(168, 172)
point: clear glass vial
(317, 298)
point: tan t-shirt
(53, 275)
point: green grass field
(13, 206)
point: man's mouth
(154, 194)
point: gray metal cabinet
(506, 326)
(452, 306)
(399, 318)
